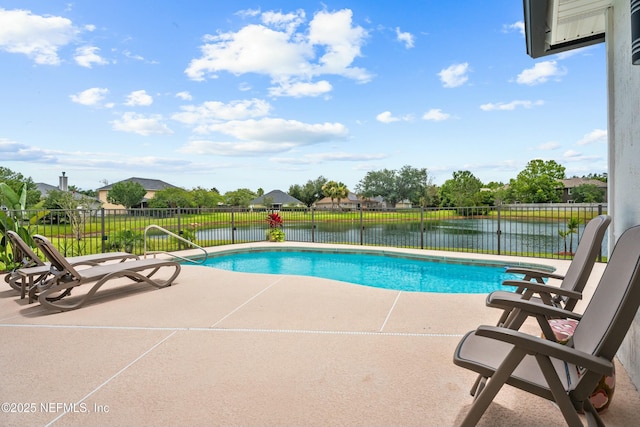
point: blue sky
(248, 94)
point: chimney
(63, 183)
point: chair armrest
(535, 345)
(531, 308)
(534, 273)
(543, 288)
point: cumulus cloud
(284, 21)
(209, 113)
(551, 145)
(454, 75)
(141, 125)
(19, 152)
(38, 37)
(516, 26)
(90, 97)
(184, 95)
(595, 136)
(509, 106)
(576, 156)
(266, 136)
(436, 115)
(541, 73)
(316, 158)
(406, 38)
(139, 98)
(300, 89)
(386, 117)
(85, 56)
(281, 47)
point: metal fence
(522, 230)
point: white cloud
(287, 52)
(595, 136)
(85, 56)
(248, 13)
(281, 130)
(454, 75)
(258, 137)
(90, 97)
(406, 38)
(38, 37)
(576, 156)
(141, 125)
(516, 26)
(551, 145)
(500, 106)
(436, 115)
(316, 158)
(300, 89)
(139, 97)
(205, 115)
(284, 21)
(184, 95)
(386, 117)
(541, 73)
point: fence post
(421, 227)
(103, 236)
(499, 231)
(313, 225)
(361, 227)
(233, 226)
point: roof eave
(535, 21)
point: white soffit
(572, 20)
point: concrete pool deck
(224, 348)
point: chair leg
(493, 385)
(591, 413)
(559, 393)
(478, 385)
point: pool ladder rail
(189, 242)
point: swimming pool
(368, 269)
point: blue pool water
(389, 272)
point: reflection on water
(467, 234)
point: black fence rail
(546, 231)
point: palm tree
(563, 234)
(335, 190)
(572, 227)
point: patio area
(224, 348)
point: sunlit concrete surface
(224, 348)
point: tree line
(538, 182)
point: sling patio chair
(64, 277)
(32, 268)
(573, 282)
(567, 373)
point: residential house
(45, 189)
(151, 185)
(351, 202)
(571, 183)
(276, 199)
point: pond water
(471, 234)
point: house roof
(576, 182)
(148, 184)
(44, 188)
(553, 26)
(277, 197)
(351, 198)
